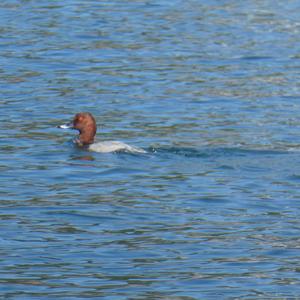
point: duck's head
(85, 123)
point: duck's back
(114, 146)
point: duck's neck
(86, 138)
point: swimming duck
(85, 123)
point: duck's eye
(78, 120)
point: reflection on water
(211, 90)
(83, 157)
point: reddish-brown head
(86, 124)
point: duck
(85, 123)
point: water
(211, 90)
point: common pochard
(85, 123)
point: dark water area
(211, 90)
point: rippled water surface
(211, 90)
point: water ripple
(211, 90)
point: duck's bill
(66, 126)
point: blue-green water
(211, 89)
